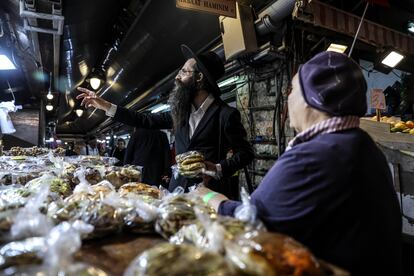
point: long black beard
(180, 101)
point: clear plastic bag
(90, 207)
(212, 232)
(186, 259)
(139, 216)
(139, 189)
(246, 211)
(176, 211)
(190, 164)
(266, 253)
(29, 221)
(119, 176)
(13, 196)
(24, 252)
(56, 250)
(138, 211)
(55, 184)
(62, 242)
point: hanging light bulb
(96, 78)
(95, 83)
(49, 96)
(79, 112)
(49, 107)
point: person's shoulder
(225, 109)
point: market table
(114, 253)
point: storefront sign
(378, 99)
(219, 7)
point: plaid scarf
(333, 124)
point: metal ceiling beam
(29, 15)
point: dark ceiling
(135, 41)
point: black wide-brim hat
(210, 64)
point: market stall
(84, 215)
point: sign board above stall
(218, 7)
(378, 99)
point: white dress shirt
(197, 115)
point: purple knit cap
(333, 83)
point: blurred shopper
(90, 148)
(332, 189)
(70, 149)
(150, 149)
(119, 152)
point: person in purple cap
(332, 188)
(200, 119)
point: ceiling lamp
(159, 108)
(79, 112)
(49, 95)
(410, 27)
(6, 63)
(339, 48)
(229, 81)
(49, 107)
(392, 59)
(96, 78)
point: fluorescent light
(108, 138)
(66, 143)
(6, 64)
(95, 83)
(49, 96)
(410, 26)
(228, 81)
(79, 112)
(339, 48)
(160, 108)
(115, 136)
(392, 59)
(49, 107)
(58, 141)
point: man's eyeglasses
(183, 72)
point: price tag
(378, 99)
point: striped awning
(337, 20)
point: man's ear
(199, 77)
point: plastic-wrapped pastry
(56, 252)
(22, 252)
(272, 254)
(190, 164)
(13, 197)
(176, 260)
(69, 173)
(102, 188)
(6, 222)
(105, 218)
(121, 176)
(177, 211)
(92, 175)
(139, 189)
(212, 234)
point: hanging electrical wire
(11, 90)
